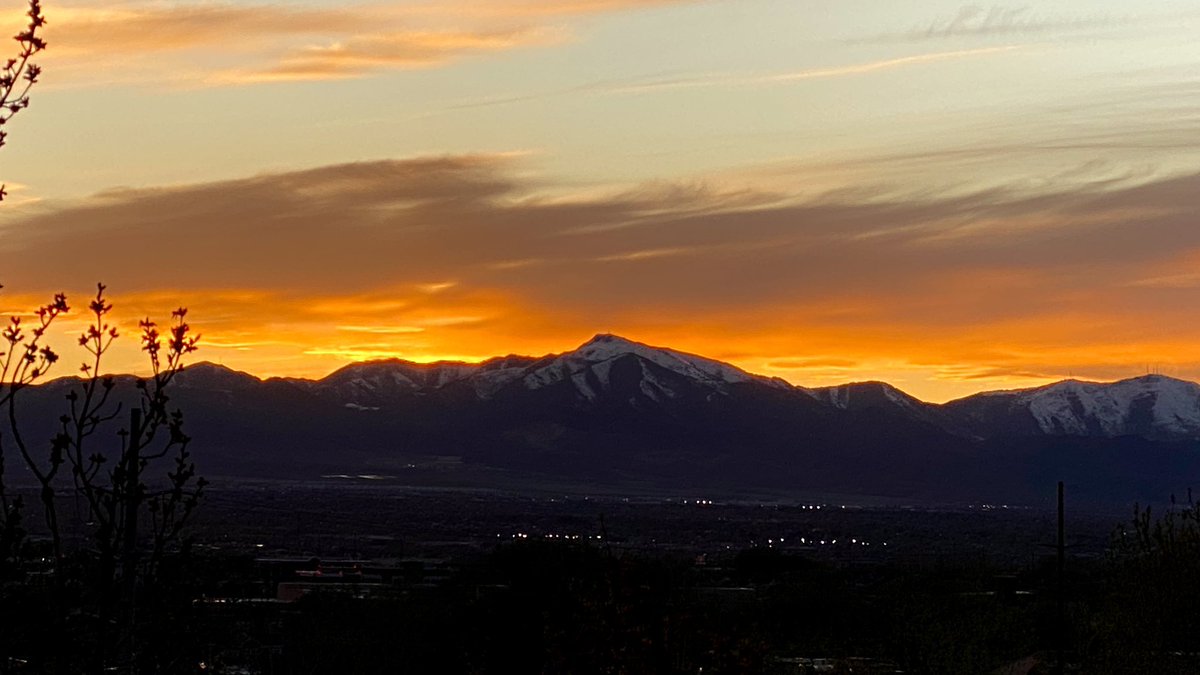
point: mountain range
(621, 413)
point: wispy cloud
(814, 362)
(363, 55)
(1181, 280)
(726, 80)
(969, 372)
(977, 21)
(382, 330)
(103, 31)
(533, 8)
(236, 43)
(646, 254)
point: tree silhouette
(111, 481)
(19, 73)
(120, 449)
(24, 360)
(117, 447)
(1148, 620)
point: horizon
(949, 198)
(444, 362)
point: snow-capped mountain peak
(657, 373)
(589, 368)
(369, 380)
(1152, 406)
(606, 346)
(846, 396)
(209, 375)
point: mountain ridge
(1151, 406)
(616, 411)
(608, 337)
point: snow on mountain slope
(208, 376)
(606, 347)
(1162, 404)
(589, 368)
(865, 394)
(495, 374)
(373, 380)
(1153, 406)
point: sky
(950, 197)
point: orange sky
(459, 258)
(948, 198)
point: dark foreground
(359, 576)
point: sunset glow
(949, 198)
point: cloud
(363, 55)
(807, 363)
(215, 43)
(419, 223)
(382, 330)
(738, 80)
(459, 256)
(646, 254)
(142, 28)
(974, 20)
(977, 21)
(1182, 280)
(1009, 374)
(1144, 133)
(725, 80)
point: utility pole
(132, 461)
(1062, 558)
